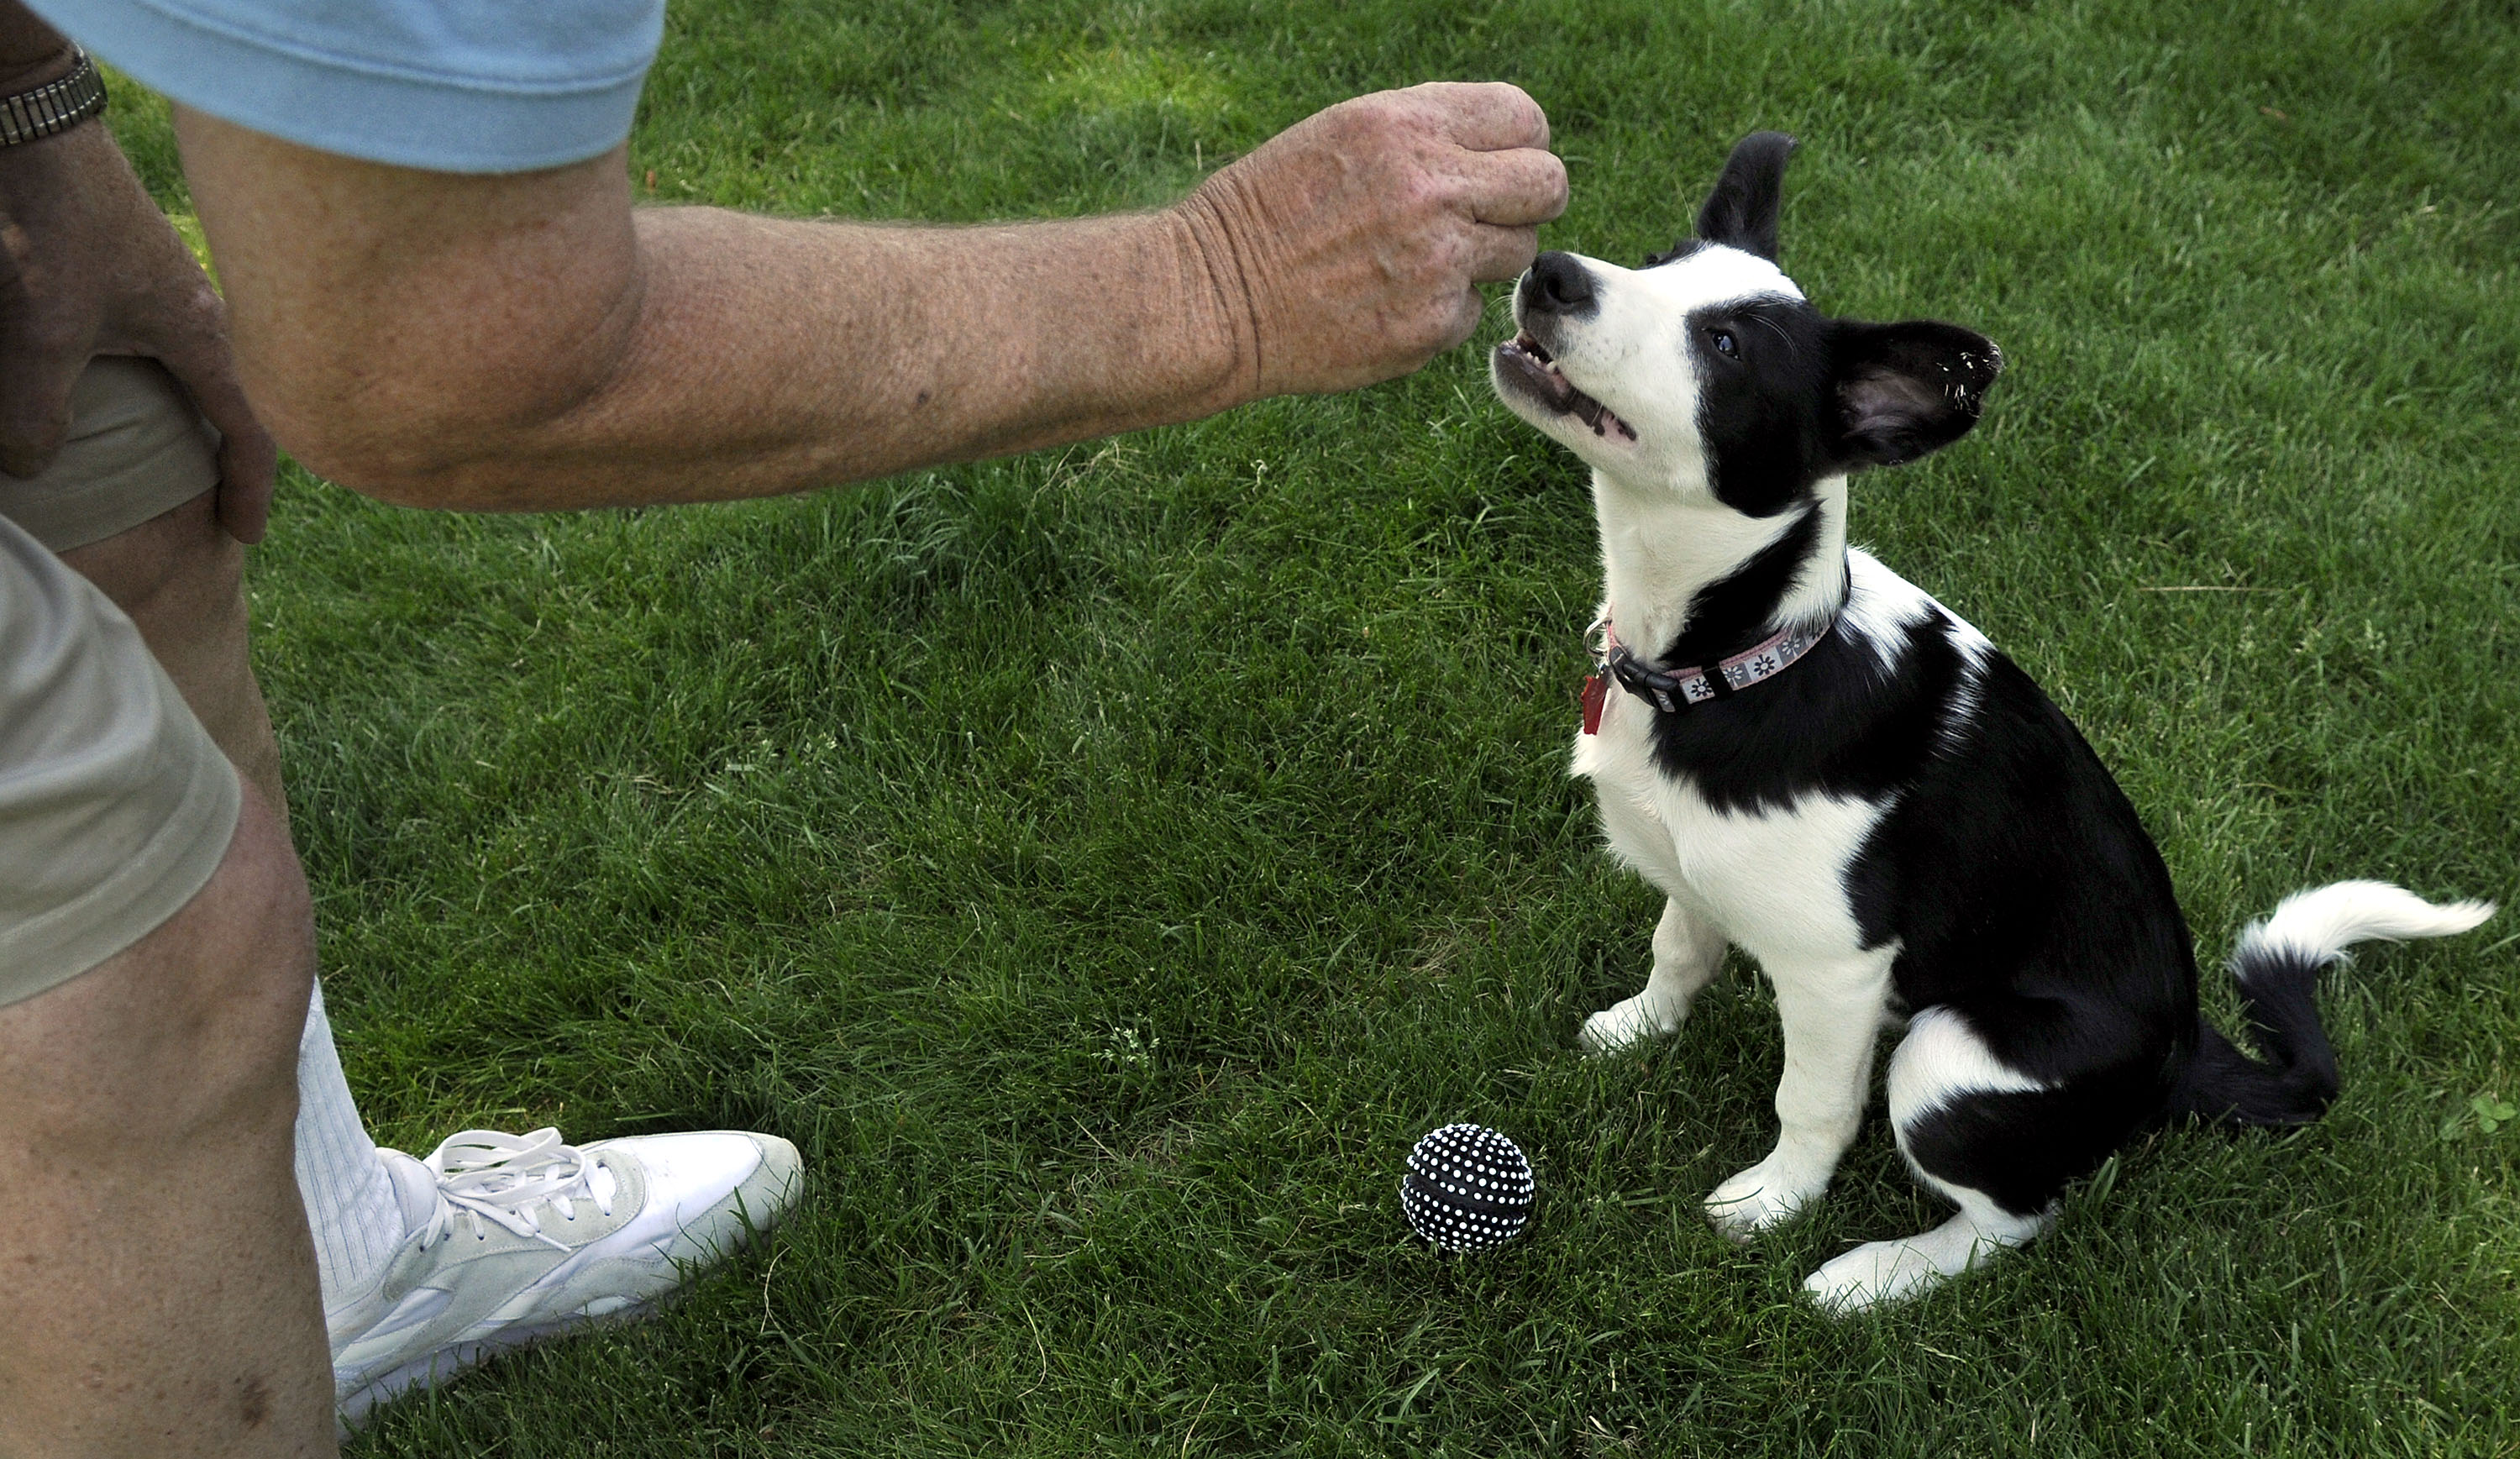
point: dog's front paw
(1765, 1195)
(1628, 1023)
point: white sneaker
(517, 1238)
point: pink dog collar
(1677, 689)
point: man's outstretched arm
(530, 341)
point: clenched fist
(1343, 250)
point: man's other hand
(1344, 249)
(88, 266)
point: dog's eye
(1724, 344)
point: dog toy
(1468, 1188)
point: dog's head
(1707, 372)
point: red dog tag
(1596, 692)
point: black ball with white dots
(1468, 1189)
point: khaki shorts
(114, 804)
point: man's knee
(190, 1034)
(155, 1259)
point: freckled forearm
(768, 356)
(528, 342)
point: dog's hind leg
(1879, 1271)
(1833, 1021)
(1687, 952)
(1975, 1131)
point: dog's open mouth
(1522, 361)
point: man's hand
(88, 266)
(1344, 249)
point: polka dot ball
(1468, 1189)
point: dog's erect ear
(1741, 211)
(1907, 389)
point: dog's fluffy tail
(2277, 964)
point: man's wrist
(1221, 329)
(39, 109)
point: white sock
(352, 1203)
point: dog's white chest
(1773, 880)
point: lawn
(1104, 864)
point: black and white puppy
(1820, 763)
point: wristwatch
(57, 105)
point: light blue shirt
(448, 85)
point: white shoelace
(504, 1179)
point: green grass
(1104, 864)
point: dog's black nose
(1557, 284)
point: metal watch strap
(57, 105)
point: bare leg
(180, 578)
(1832, 1018)
(154, 1261)
(1687, 951)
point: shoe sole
(452, 1362)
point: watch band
(57, 105)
